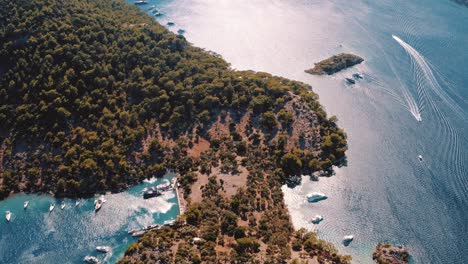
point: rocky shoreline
(335, 64)
(388, 254)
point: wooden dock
(180, 198)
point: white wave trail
(429, 76)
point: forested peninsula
(96, 96)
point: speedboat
(77, 203)
(91, 260)
(420, 157)
(103, 249)
(62, 206)
(51, 207)
(8, 216)
(315, 197)
(348, 239)
(26, 203)
(316, 219)
(170, 23)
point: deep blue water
(416, 65)
(66, 236)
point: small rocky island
(388, 254)
(335, 64)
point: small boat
(163, 187)
(150, 193)
(315, 197)
(91, 260)
(97, 205)
(151, 227)
(140, 2)
(51, 207)
(77, 203)
(25, 205)
(420, 157)
(8, 216)
(158, 14)
(170, 23)
(62, 206)
(103, 249)
(134, 231)
(168, 222)
(348, 239)
(350, 81)
(138, 233)
(181, 31)
(317, 219)
(357, 76)
(99, 202)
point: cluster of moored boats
(314, 197)
(160, 189)
(97, 206)
(94, 260)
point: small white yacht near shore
(77, 203)
(51, 207)
(98, 203)
(315, 197)
(62, 206)
(347, 239)
(420, 157)
(8, 216)
(25, 205)
(103, 249)
(91, 260)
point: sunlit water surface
(68, 235)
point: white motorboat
(315, 197)
(62, 206)
(138, 233)
(99, 202)
(51, 207)
(91, 260)
(348, 239)
(8, 216)
(77, 203)
(420, 157)
(317, 219)
(103, 249)
(25, 205)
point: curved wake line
(429, 76)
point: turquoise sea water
(416, 68)
(68, 235)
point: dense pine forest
(95, 96)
